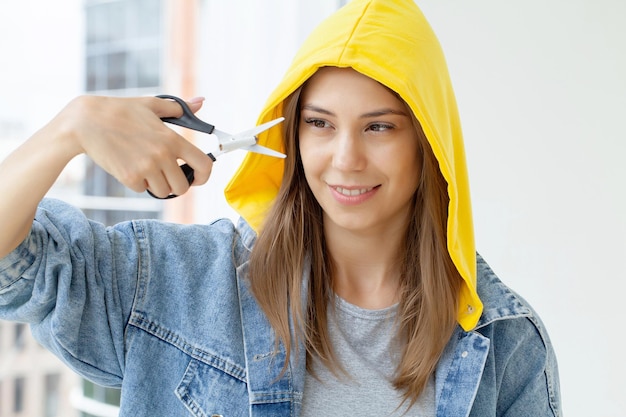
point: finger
(176, 179)
(158, 185)
(201, 164)
(170, 108)
(196, 102)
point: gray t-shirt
(364, 343)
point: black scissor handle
(190, 121)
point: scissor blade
(261, 128)
(247, 140)
(265, 151)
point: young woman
(351, 286)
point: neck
(366, 266)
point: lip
(352, 195)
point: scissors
(245, 140)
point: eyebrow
(376, 113)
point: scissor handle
(188, 119)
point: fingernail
(196, 100)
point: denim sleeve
(530, 380)
(521, 375)
(73, 281)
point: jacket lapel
(459, 372)
(271, 392)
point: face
(359, 151)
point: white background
(541, 87)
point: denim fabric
(164, 311)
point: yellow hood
(391, 42)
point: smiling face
(359, 150)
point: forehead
(347, 85)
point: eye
(379, 127)
(318, 123)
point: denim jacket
(164, 311)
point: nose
(349, 152)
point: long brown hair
(292, 239)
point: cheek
(414, 167)
(414, 172)
(311, 157)
(407, 167)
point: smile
(352, 192)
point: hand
(126, 137)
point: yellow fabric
(391, 42)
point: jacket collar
(499, 301)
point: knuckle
(133, 180)
(179, 189)
(203, 172)
(159, 153)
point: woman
(350, 287)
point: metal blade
(247, 140)
(265, 151)
(261, 128)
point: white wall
(541, 87)
(41, 62)
(41, 68)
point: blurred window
(124, 41)
(18, 394)
(19, 342)
(123, 45)
(103, 395)
(52, 395)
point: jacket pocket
(207, 391)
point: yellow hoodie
(389, 41)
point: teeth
(352, 193)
